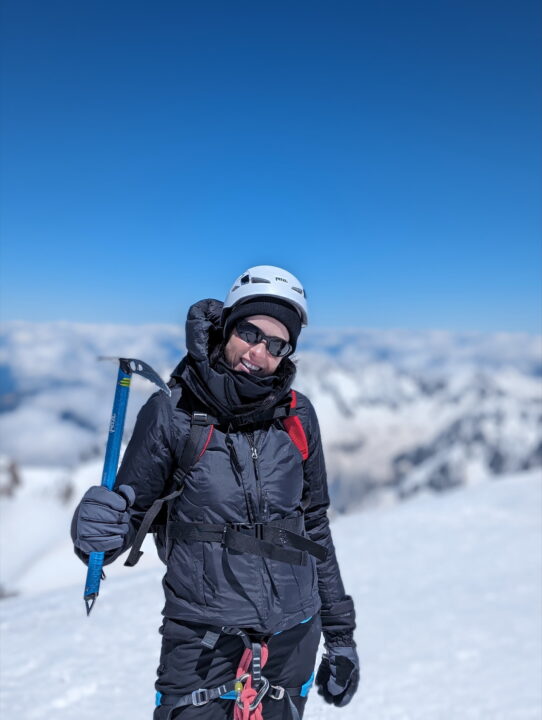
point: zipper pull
(252, 443)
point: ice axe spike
(127, 368)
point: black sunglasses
(253, 335)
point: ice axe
(127, 368)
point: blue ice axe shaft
(127, 366)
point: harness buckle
(200, 697)
(276, 692)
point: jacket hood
(203, 329)
(237, 397)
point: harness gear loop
(248, 701)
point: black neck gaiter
(237, 395)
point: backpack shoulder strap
(294, 428)
(201, 430)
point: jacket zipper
(254, 454)
(238, 471)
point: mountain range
(400, 412)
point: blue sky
(387, 153)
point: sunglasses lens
(248, 335)
(278, 348)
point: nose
(259, 350)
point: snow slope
(448, 595)
(39, 515)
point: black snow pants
(186, 665)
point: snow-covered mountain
(392, 429)
(400, 411)
(447, 594)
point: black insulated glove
(338, 675)
(101, 520)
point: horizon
(5, 324)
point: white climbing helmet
(272, 281)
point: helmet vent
(245, 279)
(299, 290)
(259, 280)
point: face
(255, 359)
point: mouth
(250, 367)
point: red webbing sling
(247, 696)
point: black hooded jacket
(250, 468)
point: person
(252, 578)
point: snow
(448, 596)
(43, 557)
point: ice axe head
(133, 366)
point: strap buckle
(238, 526)
(255, 528)
(276, 692)
(200, 697)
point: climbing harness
(247, 689)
